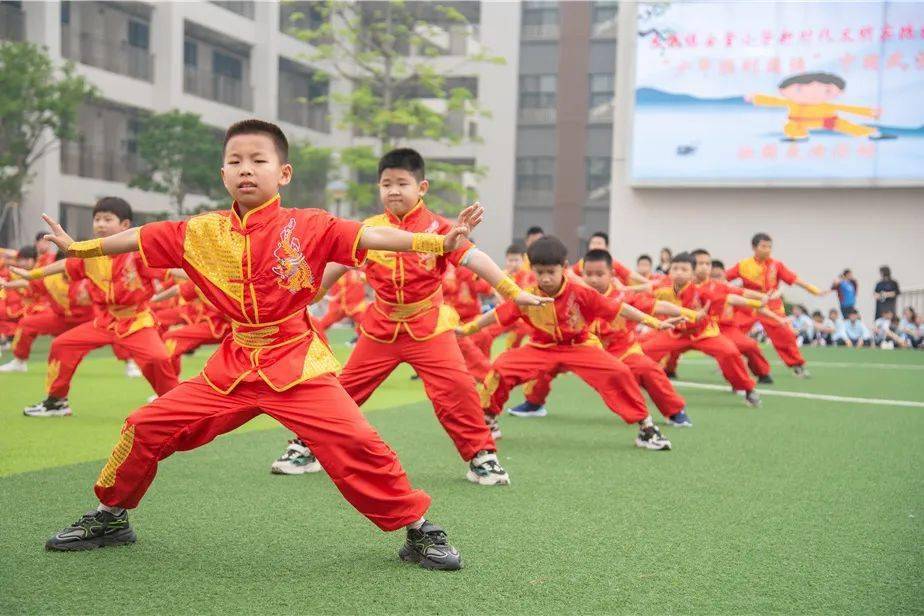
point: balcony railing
(86, 161)
(116, 57)
(220, 88)
(310, 116)
(606, 29)
(12, 23)
(245, 9)
(537, 115)
(540, 32)
(534, 198)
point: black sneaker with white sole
(429, 548)
(96, 529)
(649, 437)
(485, 470)
(752, 399)
(765, 379)
(297, 459)
(800, 372)
(49, 407)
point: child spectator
(665, 261)
(824, 329)
(852, 332)
(909, 328)
(885, 331)
(802, 325)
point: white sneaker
(152, 398)
(16, 365)
(485, 470)
(649, 437)
(132, 370)
(296, 460)
(46, 408)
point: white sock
(646, 423)
(416, 525)
(113, 510)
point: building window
(229, 66)
(540, 13)
(139, 34)
(535, 173)
(602, 88)
(66, 12)
(190, 53)
(598, 172)
(537, 91)
(605, 11)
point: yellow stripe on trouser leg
(116, 458)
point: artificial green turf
(801, 506)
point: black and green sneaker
(96, 529)
(428, 547)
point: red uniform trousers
(365, 470)
(145, 346)
(604, 373)
(8, 326)
(719, 348)
(748, 347)
(475, 360)
(782, 337)
(439, 363)
(182, 340)
(44, 323)
(335, 313)
(170, 316)
(648, 374)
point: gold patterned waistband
(273, 333)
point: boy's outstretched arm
(125, 241)
(40, 272)
(476, 325)
(488, 270)
(332, 273)
(396, 240)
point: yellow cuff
(754, 303)
(469, 328)
(812, 289)
(86, 250)
(650, 321)
(688, 314)
(431, 243)
(508, 288)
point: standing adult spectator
(664, 267)
(885, 292)
(846, 287)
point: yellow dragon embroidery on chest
(291, 269)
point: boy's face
(26, 263)
(42, 246)
(251, 170)
(853, 316)
(832, 314)
(400, 191)
(597, 243)
(797, 311)
(598, 275)
(514, 262)
(717, 273)
(703, 267)
(107, 223)
(643, 267)
(888, 314)
(763, 249)
(549, 277)
(680, 273)
(810, 93)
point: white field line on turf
(799, 394)
(826, 364)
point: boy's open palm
(58, 235)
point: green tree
(385, 52)
(38, 108)
(180, 156)
(311, 173)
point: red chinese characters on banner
(866, 33)
(812, 152)
(848, 62)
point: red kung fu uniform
(204, 325)
(703, 335)
(561, 340)
(747, 346)
(346, 299)
(409, 322)
(765, 277)
(262, 270)
(484, 339)
(619, 340)
(462, 288)
(120, 289)
(68, 305)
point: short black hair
(40, 235)
(885, 271)
(807, 78)
(27, 252)
(845, 272)
(534, 231)
(404, 158)
(644, 257)
(516, 248)
(758, 238)
(851, 311)
(548, 250)
(254, 126)
(684, 257)
(700, 251)
(817, 314)
(602, 234)
(717, 263)
(598, 254)
(114, 205)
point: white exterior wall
(817, 232)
